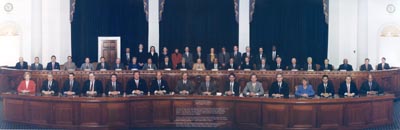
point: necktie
(279, 84)
(149, 66)
(232, 87)
(102, 65)
(117, 66)
(325, 87)
(137, 84)
(49, 86)
(114, 86)
(159, 84)
(87, 66)
(348, 89)
(71, 83)
(223, 58)
(91, 86)
(309, 67)
(254, 87)
(207, 86)
(326, 67)
(370, 86)
(273, 55)
(278, 66)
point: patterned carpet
(9, 125)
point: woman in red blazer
(27, 84)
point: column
(244, 24)
(154, 32)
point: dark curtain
(208, 23)
(296, 27)
(124, 18)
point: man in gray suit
(184, 86)
(207, 87)
(188, 56)
(36, 65)
(69, 65)
(87, 65)
(223, 57)
(149, 65)
(253, 88)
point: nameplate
(134, 69)
(214, 69)
(231, 69)
(118, 69)
(103, 70)
(56, 70)
(71, 69)
(343, 70)
(278, 70)
(295, 70)
(150, 69)
(183, 69)
(247, 69)
(199, 69)
(87, 70)
(167, 69)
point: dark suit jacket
(121, 66)
(244, 55)
(23, 66)
(118, 87)
(269, 56)
(290, 67)
(266, 67)
(188, 87)
(187, 66)
(38, 67)
(98, 87)
(257, 59)
(164, 66)
(211, 66)
(235, 87)
(246, 66)
(237, 58)
(202, 56)
(162, 56)
(75, 87)
(274, 89)
(234, 66)
(131, 85)
(385, 67)
(343, 88)
(329, 89)
(154, 58)
(163, 86)
(365, 87)
(347, 67)
(211, 88)
(50, 67)
(125, 59)
(222, 57)
(330, 67)
(141, 57)
(105, 66)
(364, 67)
(54, 86)
(305, 67)
(188, 58)
(275, 66)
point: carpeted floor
(9, 125)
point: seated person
(370, 87)
(294, 66)
(136, 85)
(366, 66)
(87, 65)
(113, 87)
(326, 66)
(279, 88)
(71, 85)
(345, 66)
(253, 88)
(232, 64)
(53, 65)
(166, 64)
(184, 86)
(215, 65)
(134, 65)
(348, 88)
(198, 65)
(183, 65)
(232, 87)
(102, 65)
(69, 65)
(159, 86)
(207, 87)
(383, 65)
(149, 65)
(21, 64)
(27, 85)
(117, 65)
(278, 65)
(50, 84)
(263, 65)
(305, 89)
(92, 85)
(246, 64)
(210, 57)
(36, 65)
(309, 66)
(326, 89)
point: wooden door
(109, 50)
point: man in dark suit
(273, 55)
(114, 86)
(278, 65)
(215, 65)
(36, 65)
(92, 85)
(346, 66)
(71, 85)
(309, 66)
(165, 64)
(53, 65)
(366, 66)
(236, 55)
(118, 65)
(21, 64)
(246, 64)
(232, 87)
(263, 65)
(279, 88)
(207, 87)
(183, 65)
(188, 56)
(326, 87)
(136, 85)
(185, 86)
(223, 57)
(259, 56)
(159, 86)
(232, 64)
(370, 87)
(50, 84)
(326, 66)
(141, 55)
(102, 65)
(294, 66)
(383, 65)
(199, 54)
(348, 88)
(126, 57)
(247, 54)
